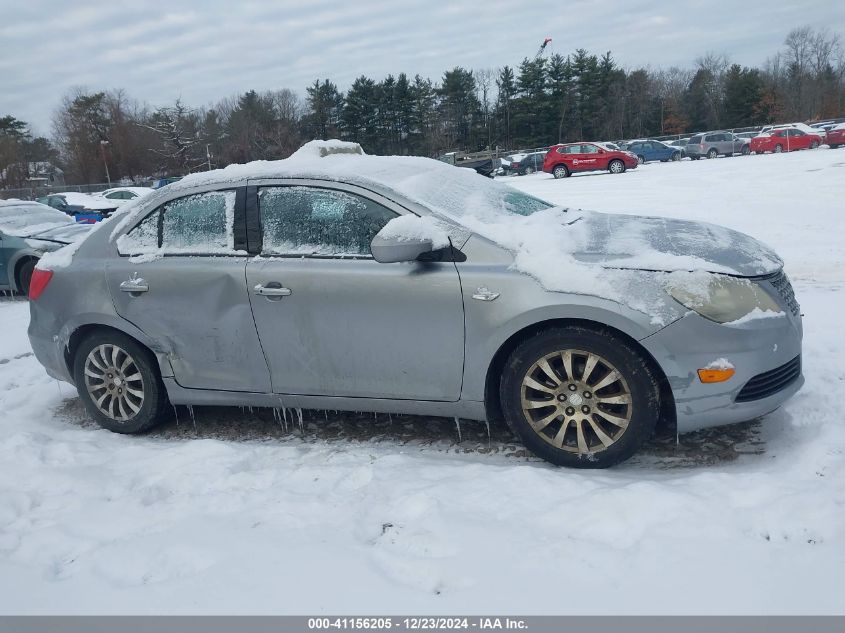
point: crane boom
(543, 47)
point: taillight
(40, 279)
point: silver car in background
(285, 285)
(713, 144)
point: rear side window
(695, 140)
(197, 224)
(318, 222)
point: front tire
(529, 171)
(119, 383)
(746, 150)
(676, 156)
(641, 160)
(778, 148)
(712, 153)
(814, 145)
(579, 398)
(616, 166)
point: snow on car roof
(83, 199)
(141, 191)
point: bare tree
(484, 81)
(176, 127)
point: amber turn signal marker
(715, 375)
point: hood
(64, 234)
(664, 244)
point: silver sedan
(343, 281)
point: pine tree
(325, 104)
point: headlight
(721, 298)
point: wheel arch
(666, 425)
(82, 332)
(18, 267)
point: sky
(204, 51)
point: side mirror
(389, 250)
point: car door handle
(273, 289)
(136, 284)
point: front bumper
(753, 348)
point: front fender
(522, 303)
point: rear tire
(641, 160)
(25, 276)
(746, 150)
(560, 171)
(611, 411)
(529, 170)
(778, 148)
(119, 383)
(814, 145)
(833, 146)
(676, 156)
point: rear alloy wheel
(676, 156)
(560, 171)
(778, 148)
(616, 166)
(579, 398)
(712, 153)
(745, 150)
(119, 384)
(529, 170)
(814, 145)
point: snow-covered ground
(235, 514)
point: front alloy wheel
(616, 166)
(579, 397)
(577, 401)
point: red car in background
(835, 136)
(784, 140)
(569, 158)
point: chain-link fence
(37, 191)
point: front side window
(320, 222)
(201, 223)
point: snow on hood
(665, 244)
